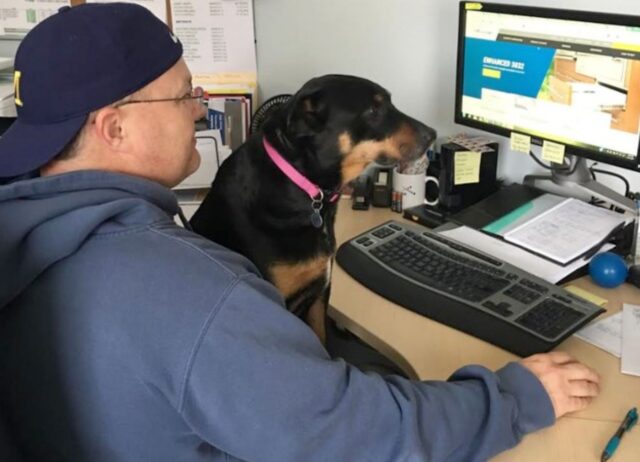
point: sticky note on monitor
(553, 152)
(466, 168)
(520, 142)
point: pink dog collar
(314, 192)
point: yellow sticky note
(553, 152)
(520, 143)
(466, 167)
(588, 296)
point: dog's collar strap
(314, 192)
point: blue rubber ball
(608, 270)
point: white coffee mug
(412, 187)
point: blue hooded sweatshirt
(124, 337)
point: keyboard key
(549, 318)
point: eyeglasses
(197, 95)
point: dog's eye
(373, 111)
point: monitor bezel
(574, 15)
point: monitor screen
(571, 77)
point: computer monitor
(569, 77)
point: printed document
(630, 363)
(17, 17)
(605, 334)
(619, 335)
(566, 231)
(157, 7)
(218, 39)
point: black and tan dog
(329, 131)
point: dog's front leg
(316, 318)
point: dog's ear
(307, 114)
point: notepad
(566, 231)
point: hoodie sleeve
(260, 386)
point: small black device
(455, 197)
(430, 216)
(381, 193)
(361, 195)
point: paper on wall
(157, 7)
(17, 17)
(218, 40)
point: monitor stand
(576, 181)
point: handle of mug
(435, 201)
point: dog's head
(346, 122)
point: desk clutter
(552, 236)
(461, 174)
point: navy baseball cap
(74, 62)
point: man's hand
(570, 384)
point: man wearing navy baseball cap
(124, 337)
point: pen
(629, 421)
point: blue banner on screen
(507, 67)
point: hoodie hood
(46, 219)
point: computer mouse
(634, 275)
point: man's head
(77, 75)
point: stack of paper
(619, 335)
(231, 114)
(541, 267)
(564, 232)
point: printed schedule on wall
(17, 17)
(218, 39)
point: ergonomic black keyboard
(464, 288)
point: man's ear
(308, 114)
(108, 126)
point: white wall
(408, 46)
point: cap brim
(26, 147)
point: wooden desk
(429, 350)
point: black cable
(565, 170)
(627, 187)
